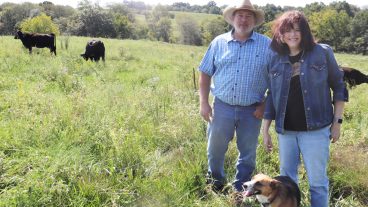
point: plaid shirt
(238, 69)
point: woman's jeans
(314, 148)
(228, 119)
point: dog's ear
(274, 184)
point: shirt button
(234, 96)
(301, 61)
(236, 84)
(239, 58)
(237, 71)
(305, 91)
(301, 73)
(308, 109)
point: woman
(302, 74)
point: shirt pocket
(319, 66)
(226, 60)
(274, 73)
(319, 72)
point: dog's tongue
(248, 193)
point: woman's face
(293, 37)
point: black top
(295, 115)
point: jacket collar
(285, 58)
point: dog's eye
(258, 183)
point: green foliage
(12, 15)
(159, 24)
(123, 26)
(128, 132)
(40, 24)
(92, 20)
(330, 26)
(342, 25)
(189, 31)
(212, 28)
(314, 7)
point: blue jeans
(314, 148)
(228, 119)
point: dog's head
(260, 185)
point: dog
(280, 191)
(354, 77)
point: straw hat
(245, 5)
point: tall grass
(127, 132)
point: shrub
(40, 24)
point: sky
(74, 3)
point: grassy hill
(128, 132)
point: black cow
(354, 77)
(30, 40)
(95, 49)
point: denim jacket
(319, 74)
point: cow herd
(95, 49)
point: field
(128, 132)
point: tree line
(340, 24)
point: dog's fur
(280, 191)
(354, 77)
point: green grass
(128, 132)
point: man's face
(244, 21)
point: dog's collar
(266, 204)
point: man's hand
(206, 111)
(258, 113)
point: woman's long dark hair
(285, 23)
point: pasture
(127, 132)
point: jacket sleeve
(269, 112)
(335, 77)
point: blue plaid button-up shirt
(238, 69)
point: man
(236, 64)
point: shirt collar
(229, 36)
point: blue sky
(74, 3)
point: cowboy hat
(245, 5)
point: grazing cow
(95, 49)
(354, 77)
(30, 40)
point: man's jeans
(226, 120)
(314, 148)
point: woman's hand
(335, 132)
(267, 141)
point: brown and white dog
(280, 191)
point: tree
(12, 15)
(344, 6)
(330, 26)
(309, 9)
(213, 28)
(163, 30)
(123, 26)
(92, 20)
(189, 31)
(40, 24)
(159, 23)
(359, 31)
(271, 11)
